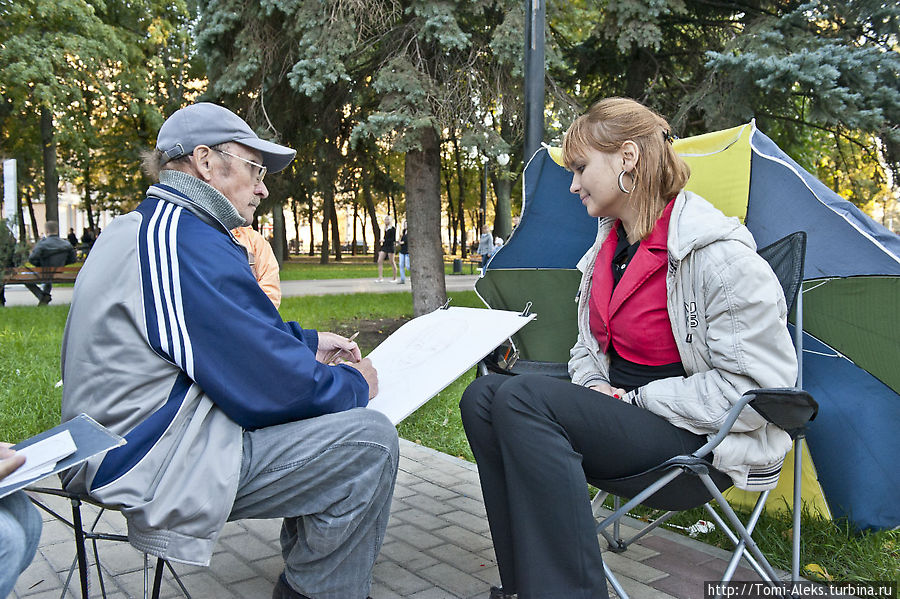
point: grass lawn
(350, 267)
(29, 402)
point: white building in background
(71, 214)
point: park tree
(819, 77)
(86, 84)
(399, 72)
(51, 51)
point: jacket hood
(696, 223)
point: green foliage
(11, 252)
(107, 71)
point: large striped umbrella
(851, 303)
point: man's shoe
(283, 590)
(499, 593)
(45, 299)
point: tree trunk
(370, 208)
(51, 177)
(355, 218)
(87, 191)
(461, 201)
(327, 209)
(335, 232)
(451, 213)
(295, 210)
(20, 218)
(312, 230)
(35, 233)
(278, 233)
(422, 174)
(503, 210)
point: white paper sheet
(429, 352)
(42, 457)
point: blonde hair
(659, 173)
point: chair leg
(798, 506)
(178, 580)
(614, 582)
(157, 581)
(81, 553)
(736, 523)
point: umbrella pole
(798, 445)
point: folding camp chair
(789, 409)
(89, 533)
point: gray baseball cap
(209, 124)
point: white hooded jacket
(728, 317)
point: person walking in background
(485, 246)
(72, 237)
(20, 526)
(404, 252)
(262, 261)
(387, 249)
(49, 251)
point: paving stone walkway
(438, 546)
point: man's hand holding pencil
(334, 349)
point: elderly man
(229, 412)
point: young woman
(677, 318)
(387, 249)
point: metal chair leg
(798, 507)
(614, 582)
(81, 553)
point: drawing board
(428, 353)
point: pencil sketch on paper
(429, 352)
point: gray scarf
(203, 195)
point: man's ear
(630, 153)
(201, 160)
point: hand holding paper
(42, 457)
(9, 460)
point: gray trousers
(331, 478)
(20, 533)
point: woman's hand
(333, 347)
(609, 390)
(9, 460)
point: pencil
(334, 354)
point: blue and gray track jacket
(171, 343)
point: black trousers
(538, 441)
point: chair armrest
(788, 408)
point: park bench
(20, 275)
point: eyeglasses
(262, 169)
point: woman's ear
(630, 154)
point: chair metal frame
(82, 534)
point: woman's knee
(477, 398)
(522, 397)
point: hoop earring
(622, 184)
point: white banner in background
(9, 194)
